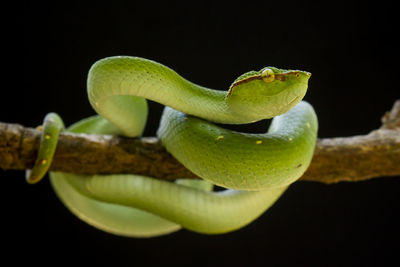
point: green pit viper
(255, 169)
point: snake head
(268, 92)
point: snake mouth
(294, 100)
(291, 104)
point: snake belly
(255, 168)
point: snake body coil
(256, 168)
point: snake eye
(268, 75)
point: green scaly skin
(52, 125)
(256, 168)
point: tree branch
(355, 158)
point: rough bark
(355, 158)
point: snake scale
(254, 169)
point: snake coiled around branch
(255, 169)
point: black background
(351, 50)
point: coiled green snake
(255, 168)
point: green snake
(255, 169)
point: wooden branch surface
(355, 158)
